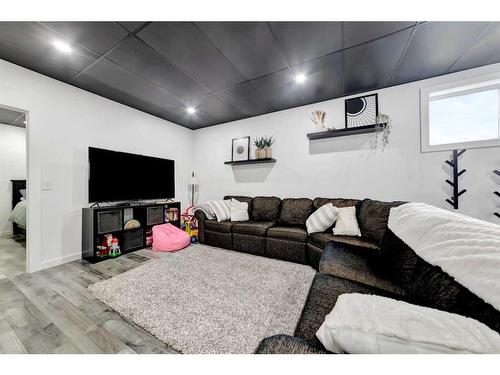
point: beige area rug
(209, 300)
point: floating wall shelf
(343, 132)
(251, 161)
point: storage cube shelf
(103, 223)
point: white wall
(62, 122)
(12, 167)
(348, 166)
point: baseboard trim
(58, 261)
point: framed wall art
(240, 149)
(361, 111)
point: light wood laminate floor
(52, 311)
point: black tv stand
(123, 204)
(100, 222)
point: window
(463, 114)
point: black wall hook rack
(456, 174)
(497, 172)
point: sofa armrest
(285, 344)
(349, 262)
(201, 217)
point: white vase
(269, 152)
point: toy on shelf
(149, 236)
(171, 214)
(132, 224)
(115, 248)
(102, 249)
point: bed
(18, 214)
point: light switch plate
(47, 185)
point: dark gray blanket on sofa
(430, 286)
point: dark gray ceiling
(234, 70)
(10, 117)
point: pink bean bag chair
(167, 237)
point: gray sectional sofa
(395, 271)
(277, 228)
(378, 262)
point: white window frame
(477, 83)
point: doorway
(13, 191)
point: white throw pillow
(347, 224)
(239, 210)
(370, 324)
(221, 209)
(322, 219)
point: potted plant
(382, 130)
(260, 152)
(268, 142)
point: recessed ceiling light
(61, 46)
(300, 78)
(190, 110)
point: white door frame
(28, 227)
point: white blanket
(18, 214)
(465, 248)
(364, 323)
(209, 213)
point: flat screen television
(120, 176)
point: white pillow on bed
(369, 324)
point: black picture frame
(247, 144)
(351, 101)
